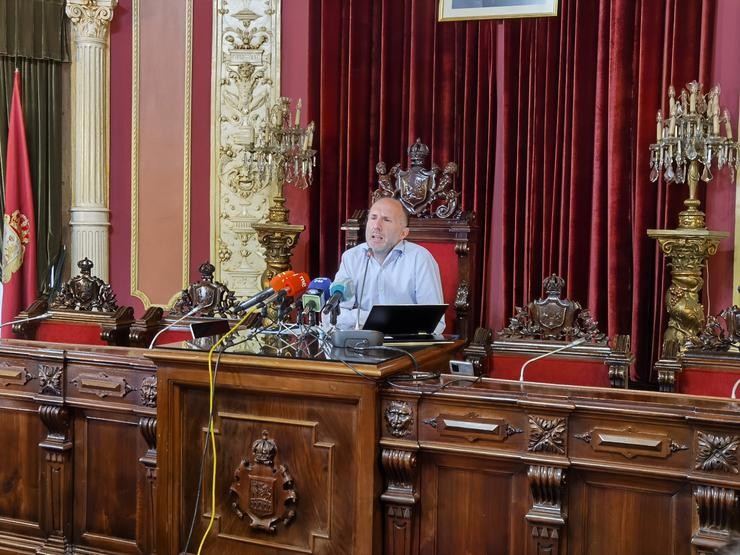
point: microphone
(265, 293)
(339, 291)
(290, 286)
(189, 313)
(316, 295)
(43, 316)
(358, 301)
(547, 354)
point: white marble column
(90, 217)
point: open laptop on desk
(406, 323)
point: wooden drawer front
(15, 375)
(23, 374)
(111, 386)
(614, 441)
(470, 425)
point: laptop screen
(404, 319)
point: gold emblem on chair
(263, 492)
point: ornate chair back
(84, 311)
(563, 335)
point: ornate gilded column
(90, 217)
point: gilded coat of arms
(16, 235)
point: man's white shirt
(408, 275)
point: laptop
(406, 322)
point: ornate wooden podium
(297, 452)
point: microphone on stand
(276, 283)
(339, 291)
(315, 298)
(358, 301)
(43, 316)
(547, 354)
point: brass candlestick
(282, 155)
(689, 141)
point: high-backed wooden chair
(705, 365)
(85, 311)
(436, 222)
(544, 326)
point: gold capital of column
(91, 18)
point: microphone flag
(19, 223)
(317, 294)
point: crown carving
(264, 450)
(214, 298)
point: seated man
(386, 269)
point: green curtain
(33, 39)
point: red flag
(19, 224)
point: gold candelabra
(282, 155)
(689, 143)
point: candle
(672, 100)
(715, 124)
(659, 126)
(298, 113)
(672, 126)
(728, 124)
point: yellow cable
(210, 422)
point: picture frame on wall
(457, 10)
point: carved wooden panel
(609, 513)
(316, 445)
(21, 431)
(108, 480)
(470, 506)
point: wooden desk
(318, 493)
(504, 468)
(78, 464)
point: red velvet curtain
(571, 101)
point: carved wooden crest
(423, 192)
(85, 292)
(553, 317)
(260, 490)
(214, 298)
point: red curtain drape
(550, 120)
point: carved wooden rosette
(262, 491)
(547, 516)
(56, 475)
(716, 507)
(547, 435)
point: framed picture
(453, 10)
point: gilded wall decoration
(246, 82)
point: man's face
(386, 226)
